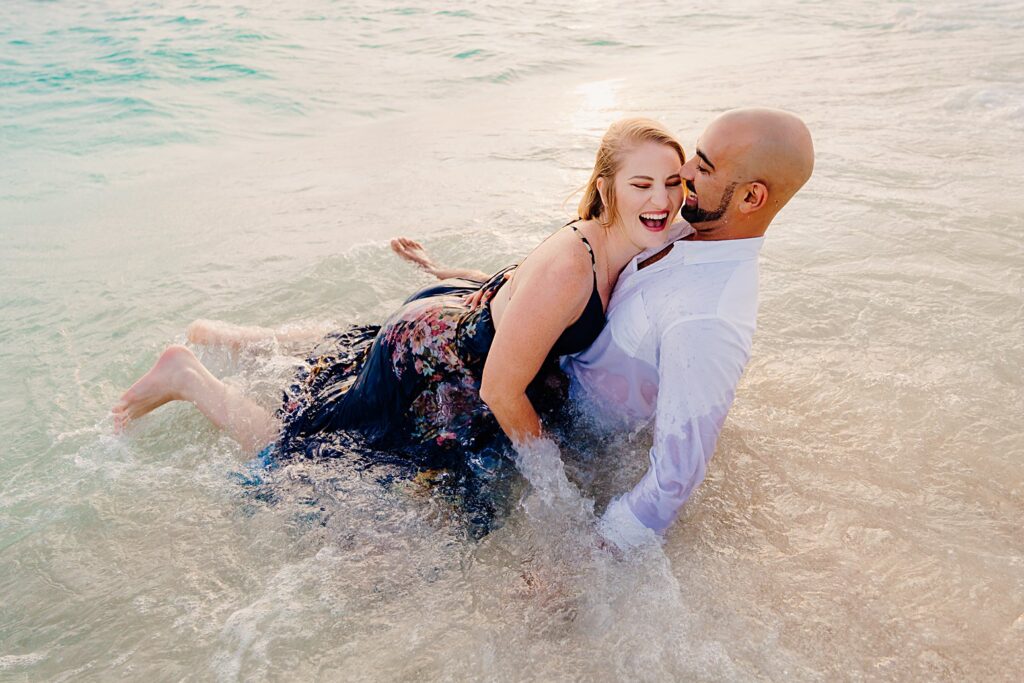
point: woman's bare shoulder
(557, 278)
(559, 258)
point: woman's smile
(655, 221)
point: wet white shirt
(678, 337)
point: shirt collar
(692, 252)
(711, 251)
(679, 231)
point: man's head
(748, 164)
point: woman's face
(648, 193)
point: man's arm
(699, 366)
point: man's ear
(755, 197)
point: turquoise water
(98, 79)
(249, 162)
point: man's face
(708, 177)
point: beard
(699, 215)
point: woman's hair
(621, 136)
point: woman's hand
(412, 251)
(483, 297)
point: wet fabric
(412, 383)
(407, 394)
(678, 339)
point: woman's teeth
(654, 221)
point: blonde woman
(439, 377)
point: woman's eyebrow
(649, 178)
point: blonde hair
(620, 137)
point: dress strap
(593, 260)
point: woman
(439, 377)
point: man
(681, 321)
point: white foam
(8, 662)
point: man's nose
(689, 169)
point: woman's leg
(219, 333)
(179, 376)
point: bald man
(681, 321)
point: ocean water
(249, 161)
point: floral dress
(412, 383)
(407, 394)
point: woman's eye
(641, 187)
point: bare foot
(413, 252)
(164, 382)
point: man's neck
(651, 260)
(654, 258)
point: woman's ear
(601, 191)
(755, 197)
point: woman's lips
(655, 220)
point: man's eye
(702, 169)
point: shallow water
(162, 162)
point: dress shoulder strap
(593, 259)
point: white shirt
(677, 340)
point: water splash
(620, 611)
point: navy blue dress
(408, 391)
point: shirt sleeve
(699, 365)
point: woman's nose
(660, 197)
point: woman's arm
(445, 273)
(414, 252)
(551, 290)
